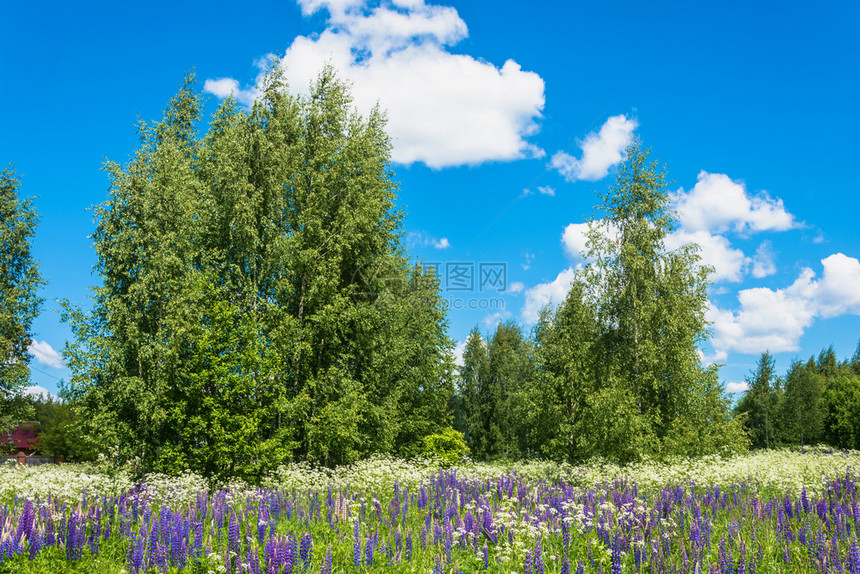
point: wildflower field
(772, 511)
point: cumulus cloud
(741, 387)
(717, 203)
(516, 287)
(714, 250)
(600, 151)
(443, 109)
(45, 354)
(225, 87)
(775, 319)
(551, 293)
(836, 292)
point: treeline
(817, 401)
(256, 306)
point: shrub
(449, 446)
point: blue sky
(507, 119)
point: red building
(23, 438)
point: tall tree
(257, 305)
(801, 417)
(19, 283)
(760, 402)
(510, 371)
(650, 308)
(562, 397)
(473, 375)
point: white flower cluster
(784, 470)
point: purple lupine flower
(72, 528)
(307, 549)
(565, 565)
(408, 554)
(616, 553)
(326, 565)
(368, 551)
(35, 543)
(538, 558)
(25, 521)
(853, 559)
(233, 535)
(356, 549)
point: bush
(448, 446)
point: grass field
(774, 511)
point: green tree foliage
(842, 402)
(639, 386)
(510, 368)
(448, 446)
(760, 403)
(565, 388)
(61, 431)
(472, 373)
(19, 282)
(256, 303)
(801, 412)
(494, 382)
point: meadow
(768, 511)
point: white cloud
(224, 87)
(737, 387)
(715, 250)
(763, 264)
(516, 287)
(490, 321)
(45, 354)
(422, 239)
(552, 293)
(717, 203)
(775, 320)
(443, 109)
(542, 189)
(600, 151)
(836, 293)
(573, 240)
(36, 390)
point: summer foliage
(256, 303)
(614, 371)
(19, 282)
